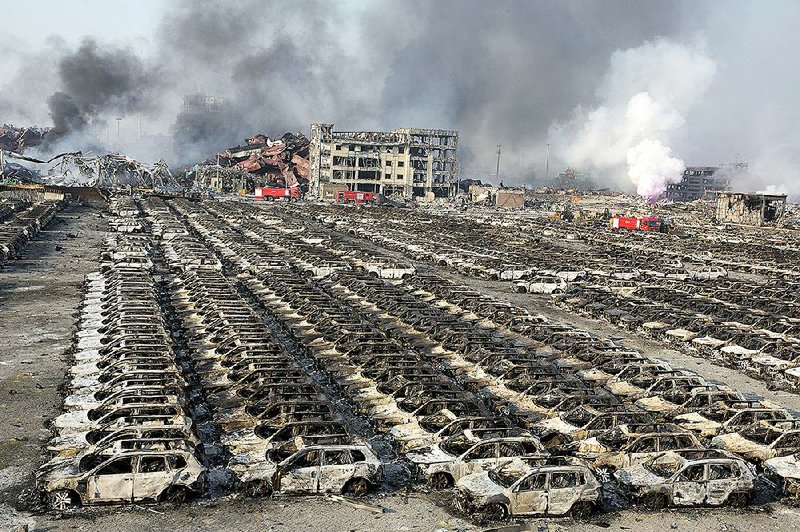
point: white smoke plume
(642, 102)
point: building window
(388, 163)
(399, 176)
(400, 164)
(401, 149)
(338, 147)
(388, 176)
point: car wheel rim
(605, 474)
(176, 496)
(495, 512)
(61, 501)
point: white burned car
(548, 489)
(708, 273)
(394, 271)
(443, 464)
(130, 476)
(785, 472)
(541, 284)
(352, 469)
(689, 478)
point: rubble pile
(18, 139)
(281, 162)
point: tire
(175, 495)
(494, 512)
(581, 510)
(738, 500)
(441, 481)
(62, 500)
(357, 487)
(655, 501)
(258, 489)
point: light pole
(547, 163)
(118, 119)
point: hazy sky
(30, 21)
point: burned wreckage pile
(291, 349)
(261, 162)
(17, 139)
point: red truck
(645, 223)
(272, 193)
(354, 196)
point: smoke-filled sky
(630, 90)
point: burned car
(472, 451)
(129, 476)
(630, 445)
(784, 471)
(554, 487)
(352, 469)
(762, 441)
(694, 477)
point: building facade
(408, 162)
(750, 209)
(704, 182)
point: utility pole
(118, 119)
(547, 163)
(2, 168)
(139, 129)
(497, 170)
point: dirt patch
(39, 295)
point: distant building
(750, 209)
(704, 182)
(202, 103)
(409, 162)
(571, 179)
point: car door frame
(166, 481)
(125, 478)
(542, 495)
(700, 493)
(564, 507)
(328, 470)
(311, 483)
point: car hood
(784, 466)
(254, 471)
(429, 455)
(638, 476)
(480, 485)
(557, 424)
(59, 468)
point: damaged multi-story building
(409, 162)
(704, 182)
(750, 209)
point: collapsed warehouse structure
(88, 170)
(412, 162)
(750, 209)
(262, 161)
(18, 139)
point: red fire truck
(354, 196)
(645, 223)
(272, 193)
